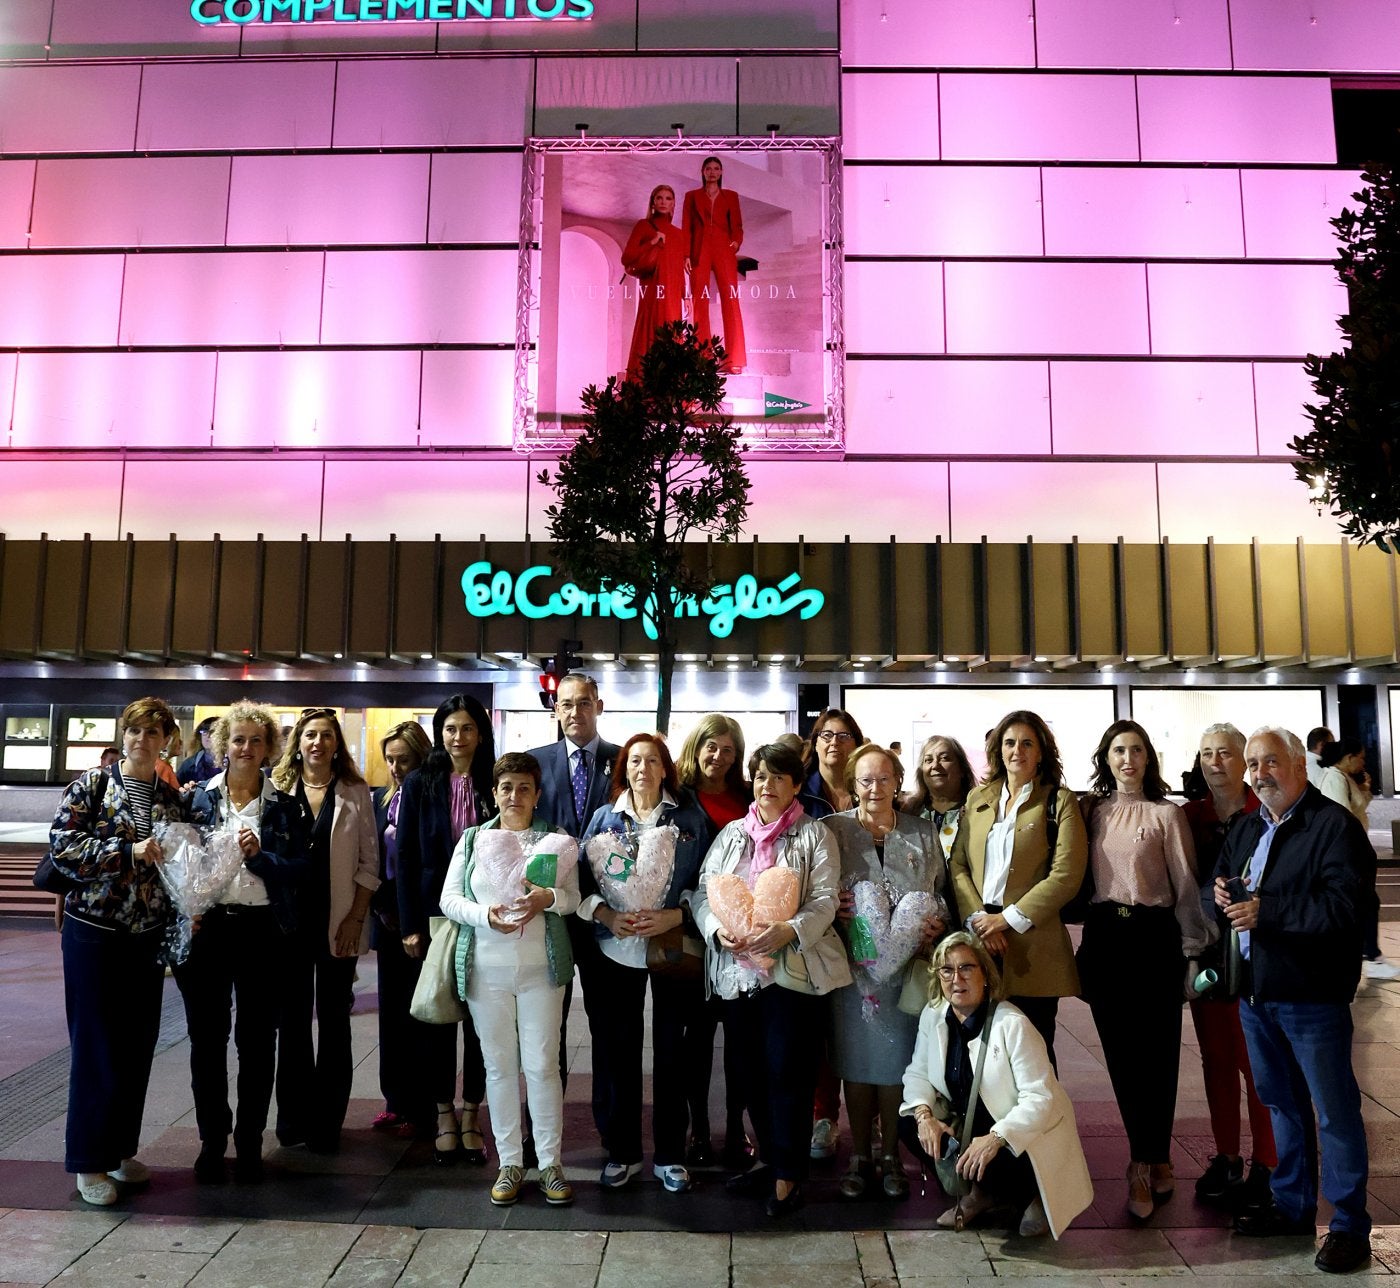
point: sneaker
(676, 1179)
(507, 1187)
(97, 1188)
(1223, 1175)
(1256, 1192)
(1377, 968)
(615, 1175)
(556, 1190)
(132, 1172)
(1342, 1252)
(823, 1138)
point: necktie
(580, 783)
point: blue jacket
(556, 802)
(283, 833)
(813, 802)
(425, 850)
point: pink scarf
(765, 836)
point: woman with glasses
(871, 1038)
(313, 1080)
(1018, 858)
(1145, 910)
(408, 1108)
(451, 793)
(1024, 1151)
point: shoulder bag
(954, 1184)
(47, 877)
(435, 999)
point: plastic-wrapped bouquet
(775, 897)
(885, 932)
(509, 859)
(197, 867)
(634, 870)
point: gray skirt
(877, 1050)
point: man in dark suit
(576, 774)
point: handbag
(676, 955)
(790, 970)
(435, 999)
(913, 997)
(954, 1184)
(46, 876)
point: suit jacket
(722, 221)
(425, 850)
(1039, 963)
(556, 802)
(354, 857)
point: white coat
(1030, 1110)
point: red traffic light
(549, 684)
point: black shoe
(738, 1153)
(1342, 1252)
(290, 1137)
(1223, 1175)
(857, 1182)
(701, 1155)
(324, 1142)
(1256, 1192)
(1272, 1222)
(209, 1167)
(778, 1208)
(248, 1169)
(753, 1184)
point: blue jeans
(1301, 1056)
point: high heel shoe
(473, 1142)
(447, 1143)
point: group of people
(903, 945)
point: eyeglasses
(866, 784)
(830, 735)
(966, 971)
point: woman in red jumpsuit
(655, 256)
(716, 231)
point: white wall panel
(301, 200)
(1234, 503)
(8, 362)
(63, 498)
(1053, 501)
(1236, 118)
(612, 26)
(736, 24)
(1018, 117)
(429, 297)
(635, 96)
(237, 499)
(1153, 408)
(1315, 35)
(468, 397)
(105, 400)
(24, 28)
(800, 95)
(1244, 308)
(131, 201)
(1145, 33)
(16, 197)
(1281, 389)
(68, 109)
(1167, 213)
(243, 298)
(417, 102)
(828, 500)
(135, 28)
(1286, 212)
(1046, 308)
(475, 197)
(323, 398)
(960, 407)
(950, 33)
(221, 107)
(894, 308)
(323, 39)
(945, 210)
(889, 116)
(59, 299)
(416, 500)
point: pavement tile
(876, 1265)
(1222, 1252)
(938, 1254)
(822, 1248)
(100, 1268)
(280, 1253)
(643, 1252)
(171, 1234)
(796, 1275)
(551, 1247)
(387, 1242)
(367, 1272)
(529, 1275)
(441, 1259)
(37, 1246)
(1146, 1252)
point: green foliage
(1351, 455)
(655, 465)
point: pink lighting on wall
(951, 33)
(789, 498)
(467, 397)
(461, 499)
(948, 210)
(59, 300)
(1286, 212)
(1111, 34)
(457, 214)
(1314, 35)
(1280, 391)
(1238, 502)
(419, 102)
(68, 109)
(871, 100)
(91, 493)
(1236, 118)
(218, 107)
(238, 498)
(1009, 500)
(1016, 117)
(16, 196)
(894, 308)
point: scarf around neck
(765, 836)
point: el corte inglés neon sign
(209, 13)
(492, 592)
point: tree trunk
(665, 666)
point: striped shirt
(140, 795)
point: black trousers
(112, 985)
(1131, 972)
(780, 1033)
(1009, 1178)
(314, 1074)
(238, 953)
(1042, 1012)
(587, 955)
(401, 1040)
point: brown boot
(1139, 1191)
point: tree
(1351, 455)
(655, 466)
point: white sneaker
(1379, 968)
(132, 1172)
(823, 1138)
(675, 1178)
(97, 1188)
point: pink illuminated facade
(1085, 244)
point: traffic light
(549, 684)
(567, 660)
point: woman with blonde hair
(240, 951)
(313, 1083)
(655, 258)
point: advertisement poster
(732, 235)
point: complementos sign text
(211, 12)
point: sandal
(473, 1142)
(445, 1143)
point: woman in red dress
(655, 256)
(715, 231)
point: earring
(296, 756)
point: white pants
(517, 1011)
